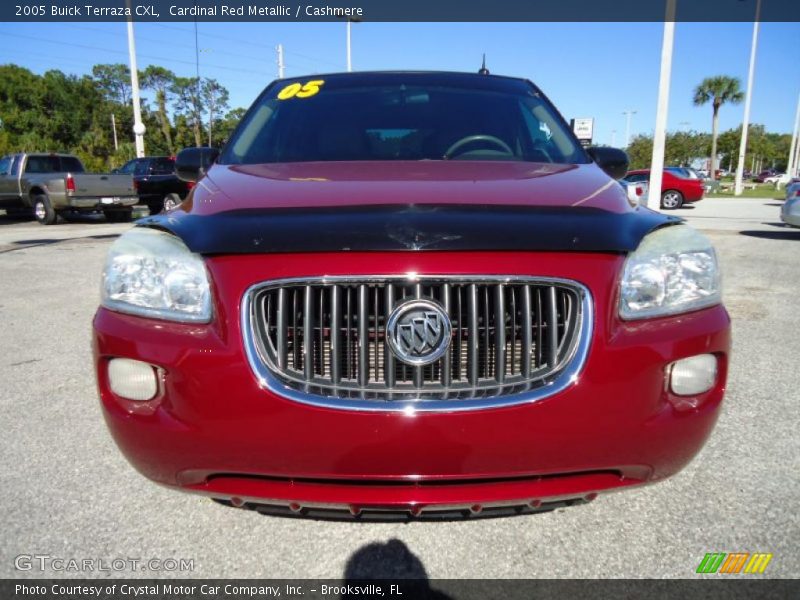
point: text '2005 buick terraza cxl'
(409, 295)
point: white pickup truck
(53, 184)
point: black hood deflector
(420, 227)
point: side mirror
(191, 164)
(612, 160)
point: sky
(593, 70)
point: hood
(331, 184)
(398, 205)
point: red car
(675, 190)
(409, 295)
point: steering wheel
(477, 138)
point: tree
(215, 97)
(188, 103)
(114, 81)
(225, 127)
(717, 90)
(161, 81)
(640, 151)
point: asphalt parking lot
(68, 492)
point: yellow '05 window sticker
(301, 90)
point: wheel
(671, 199)
(171, 201)
(118, 216)
(43, 210)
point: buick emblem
(418, 331)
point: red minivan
(675, 190)
(409, 295)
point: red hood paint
(326, 184)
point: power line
(249, 43)
(149, 57)
(156, 41)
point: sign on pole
(583, 130)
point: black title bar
(732, 588)
(396, 10)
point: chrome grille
(326, 337)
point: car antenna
(483, 70)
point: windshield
(353, 120)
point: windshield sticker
(299, 90)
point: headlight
(153, 274)
(673, 270)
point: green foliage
(114, 81)
(718, 90)
(57, 112)
(683, 148)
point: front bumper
(213, 430)
(104, 203)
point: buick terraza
(409, 295)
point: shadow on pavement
(15, 219)
(44, 241)
(774, 235)
(389, 561)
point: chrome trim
(564, 379)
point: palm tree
(718, 90)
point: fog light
(695, 375)
(132, 379)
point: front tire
(171, 201)
(43, 210)
(671, 199)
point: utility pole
(138, 126)
(628, 114)
(350, 21)
(792, 166)
(279, 50)
(662, 110)
(349, 58)
(114, 129)
(796, 160)
(613, 138)
(738, 183)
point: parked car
(675, 190)
(709, 185)
(792, 188)
(790, 211)
(767, 176)
(409, 295)
(687, 172)
(635, 191)
(53, 184)
(156, 182)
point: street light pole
(738, 183)
(279, 50)
(628, 114)
(349, 59)
(138, 126)
(792, 166)
(660, 133)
